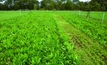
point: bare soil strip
(88, 51)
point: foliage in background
(93, 5)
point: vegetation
(7, 15)
(34, 39)
(93, 5)
(92, 27)
(88, 50)
(53, 32)
(50, 37)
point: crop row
(34, 39)
(92, 28)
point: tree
(30, 4)
(1, 6)
(59, 5)
(16, 6)
(37, 5)
(69, 5)
(80, 5)
(103, 4)
(95, 6)
(43, 4)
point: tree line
(93, 5)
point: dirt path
(88, 51)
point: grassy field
(11, 14)
(52, 38)
(93, 15)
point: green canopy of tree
(93, 5)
